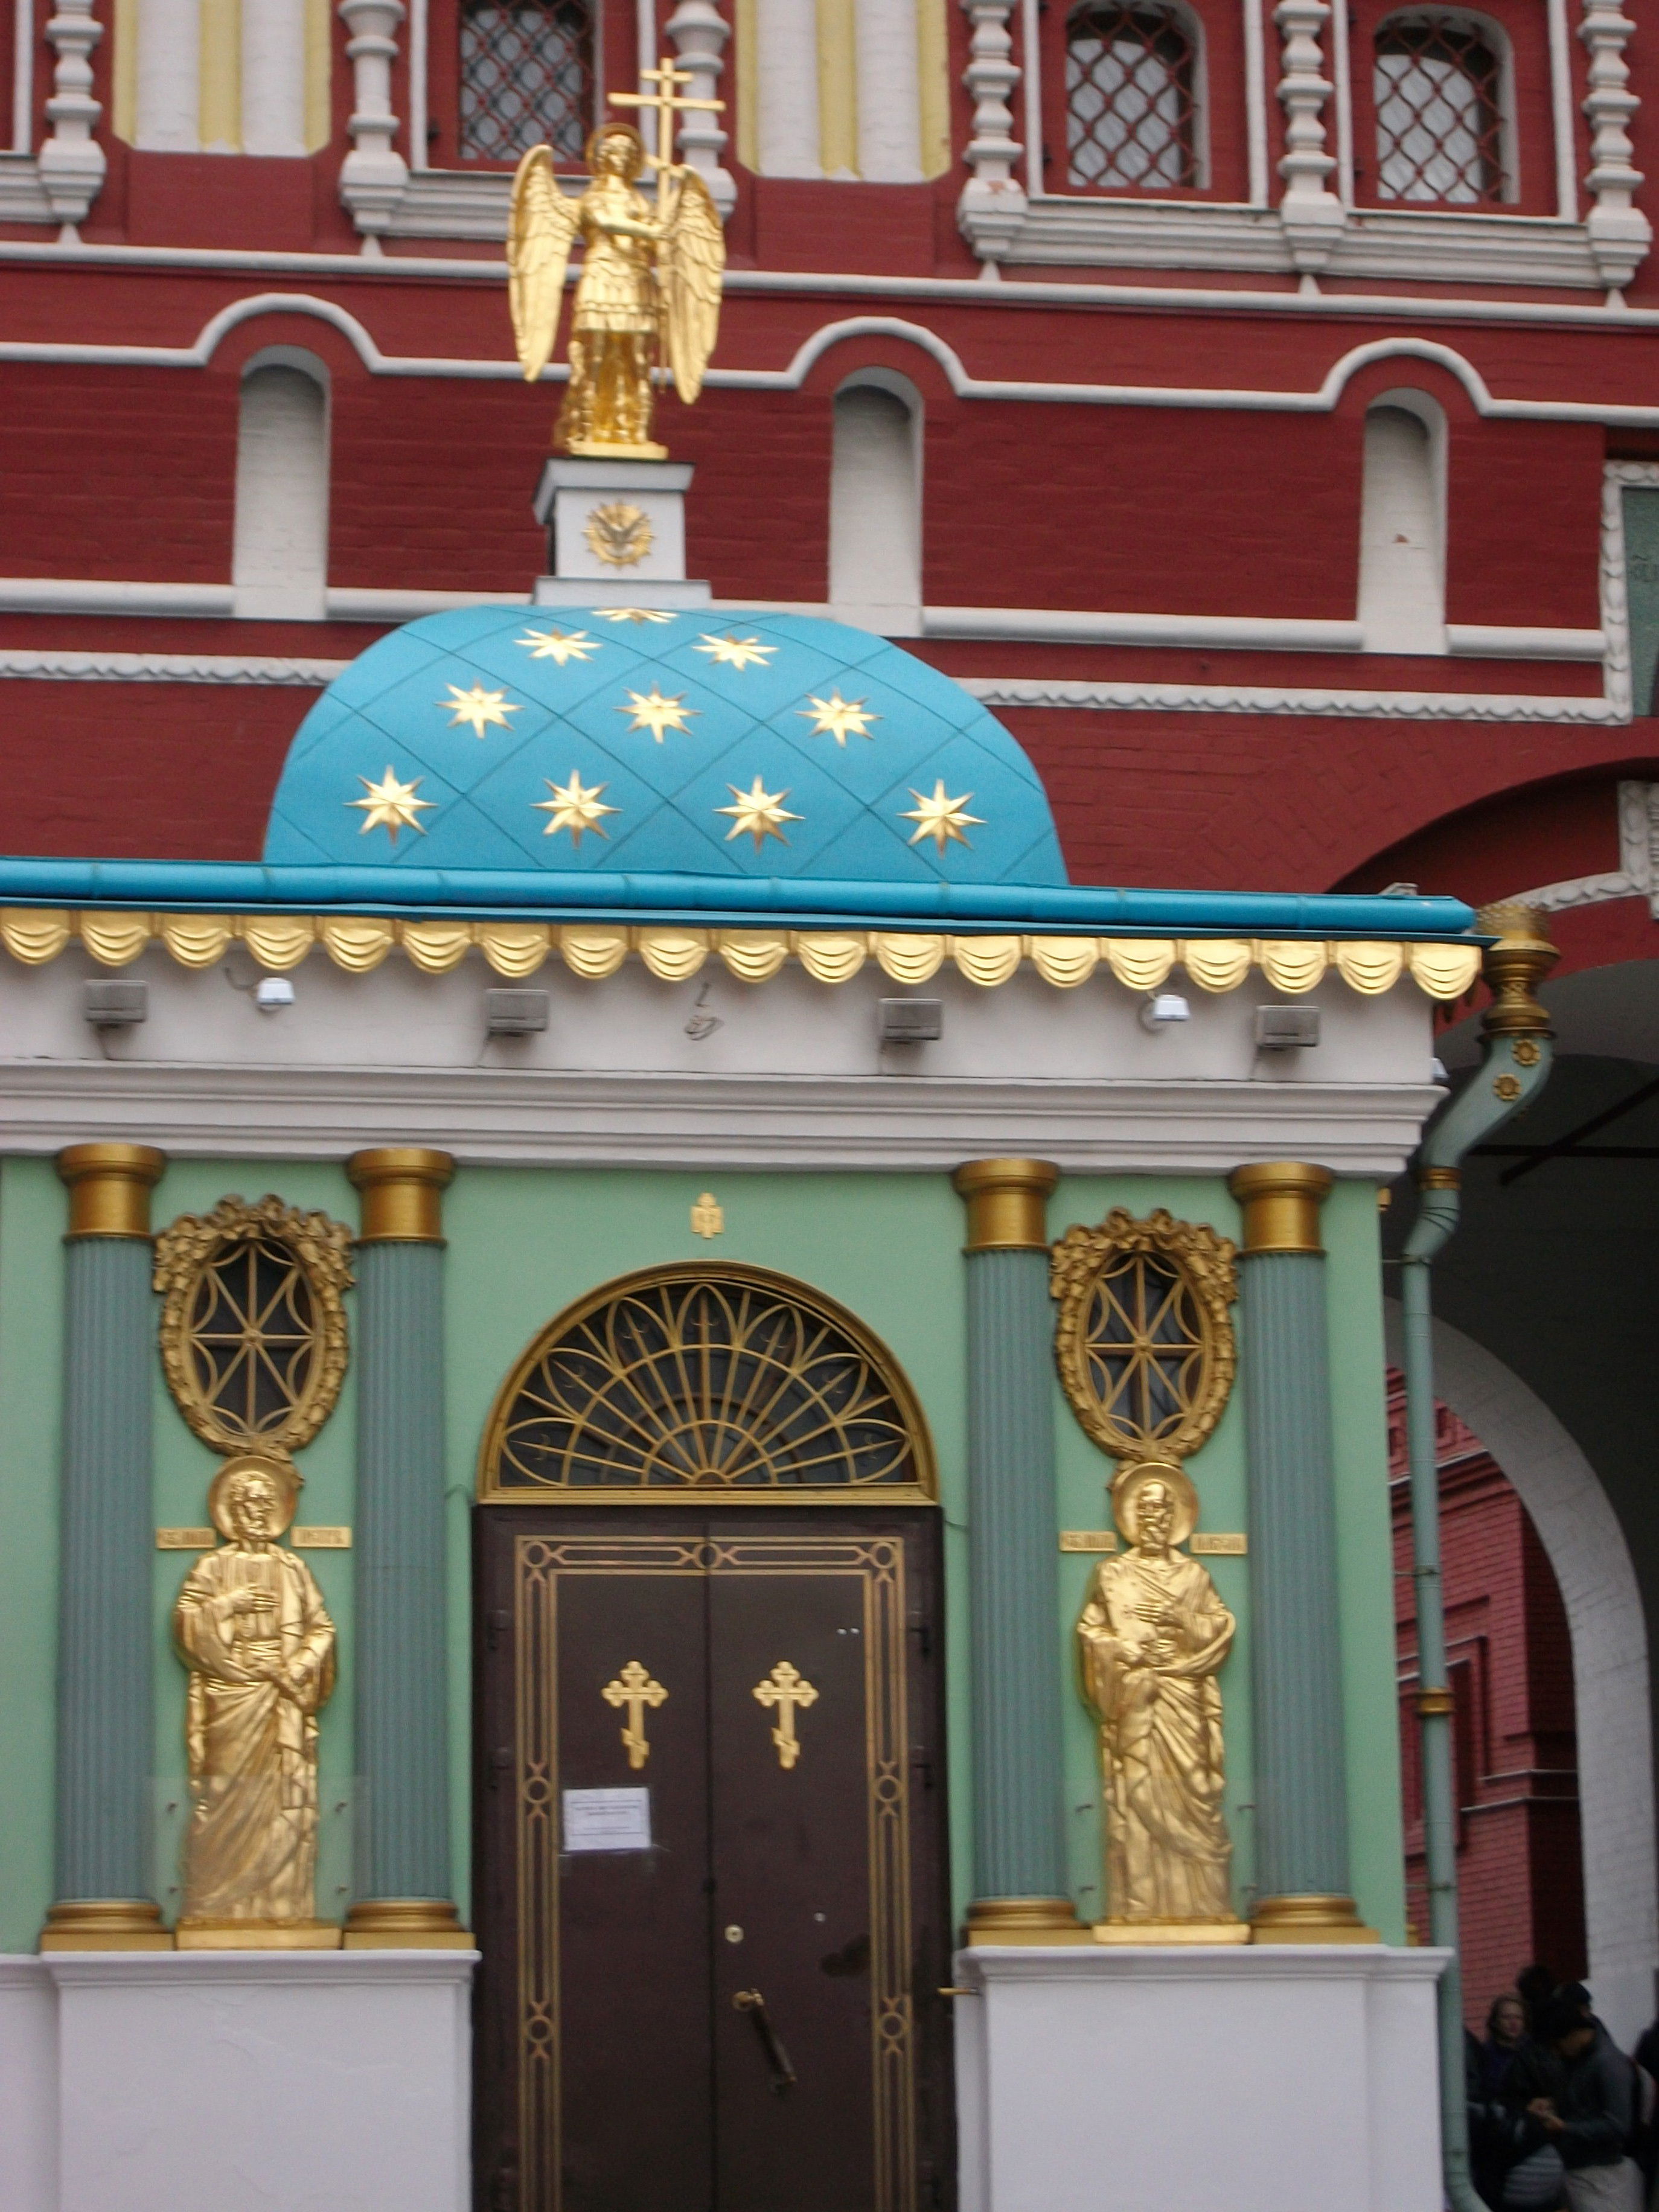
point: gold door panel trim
(539, 1563)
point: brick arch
(1587, 1549)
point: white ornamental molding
(71, 161)
(700, 33)
(374, 175)
(1311, 212)
(992, 208)
(1620, 233)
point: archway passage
(1520, 1866)
(711, 1834)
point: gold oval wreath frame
(190, 1246)
(923, 1491)
(1204, 1263)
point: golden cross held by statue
(785, 1689)
(665, 105)
(634, 1688)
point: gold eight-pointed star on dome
(758, 811)
(390, 806)
(560, 645)
(650, 711)
(732, 652)
(940, 817)
(573, 808)
(837, 718)
(633, 614)
(479, 708)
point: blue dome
(688, 743)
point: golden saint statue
(1151, 1640)
(649, 294)
(251, 1626)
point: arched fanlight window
(1439, 85)
(527, 78)
(699, 1384)
(1131, 98)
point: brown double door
(714, 1923)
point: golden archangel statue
(648, 297)
(1151, 1640)
(251, 1626)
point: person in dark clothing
(1589, 2118)
(1534, 1985)
(1512, 2166)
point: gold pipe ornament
(648, 297)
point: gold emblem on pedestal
(618, 533)
(648, 297)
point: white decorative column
(786, 68)
(71, 160)
(992, 208)
(889, 99)
(375, 174)
(1620, 233)
(273, 77)
(1310, 211)
(169, 76)
(700, 33)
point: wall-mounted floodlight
(910, 1021)
(1163, 1010)
(116, 1005)
(272, 992)
(1286, 1029)
(516, 1013)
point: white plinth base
(202, 2080)
(1270, 2078)
(586, 591)
(632, 512)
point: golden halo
(285, 1479)
(595, 138)
(1128, 1483)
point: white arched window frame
(1189, 24)
(1464, 22)
(875, 503)
(279, 566)
(1402, 598)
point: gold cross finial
(785, 1689)
(633, 1688)
(665, 105)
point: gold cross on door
(785, 1689)
(634, 1688)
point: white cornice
(1003, 691)
(553, 1118)
(35, 664)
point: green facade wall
(524, 1242)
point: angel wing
(693, 262)
(539, 232)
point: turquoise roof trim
(745, 747)
(416, 894)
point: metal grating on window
(1131, 108)
(1439, 113)
(526, 77)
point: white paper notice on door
(607, 1820)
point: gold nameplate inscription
(1220, 1543)
(185, 1539)
(204, 1540)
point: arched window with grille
(527, 77)
(1133, 97)
(1439, 87)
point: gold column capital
(401, 1186)
(109, 1188)
(1514, 966)
(1281, 1201)
(1007, 1203)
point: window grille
(1439, 113)
(526, 78)
(1131, 105)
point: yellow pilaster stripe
(838, 88)
(748, 67)
(932, 88)
(221, 109)
(123, 27)
(319, 56)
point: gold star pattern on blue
(390, 805)
(650, 710)
(633, 614)
(733, 652)
(574, 807)
(838, 718)
(940, 817)
(560, 645)
(760, 814)
(478, 708)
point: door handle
(781, 2072)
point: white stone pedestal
(221, 2080)
(615, 533)
(1268, 2078)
